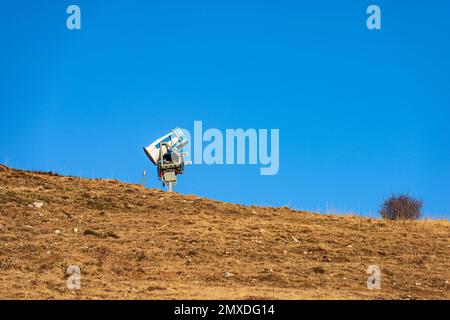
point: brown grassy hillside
(137, 243)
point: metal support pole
(170, 186)
(144, 174)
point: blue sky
(362, 114)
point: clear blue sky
(362, 114)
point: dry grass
(137, 243)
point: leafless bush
(401, 207)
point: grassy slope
(141, 243)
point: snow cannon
(166, 154)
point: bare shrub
(401, 207)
